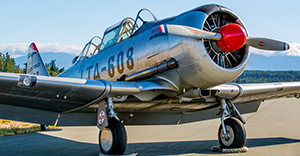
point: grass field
(8, 128)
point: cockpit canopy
(124, 29)
(115, 34)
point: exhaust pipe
(170, 64)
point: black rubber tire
(238, 130)
(119, 141)
(44, 127)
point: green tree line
(258, 76)
(7, 64)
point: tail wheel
(235, 134)
(44, 127)
(223, 59)
(113, 138)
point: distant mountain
(62, 59)
(260, 62)
(257, 62)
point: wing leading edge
(258, 91)
(64, 95)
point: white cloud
(20, 49)
(293, 51)
(262, 52)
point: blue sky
(73, 23)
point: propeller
(229, 37)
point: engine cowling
(210, 64)
(219, 51)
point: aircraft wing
(44, 97)
(203, 104)
(257, 91)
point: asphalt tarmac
(273, 130)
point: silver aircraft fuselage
(149, 47)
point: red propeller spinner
(233, 37)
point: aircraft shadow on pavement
(203, 146)
(40, 144)
(54, 130)
(259, 142)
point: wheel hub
(106, 139)
(227, 138)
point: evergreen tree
(257, 76)
(25, 68)
(53, 69)
(61, 70)
(18, 69)
(264, 80)
(238, 80)
(9, 64)
(2, 62)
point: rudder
(35, 64)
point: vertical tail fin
(35, 64)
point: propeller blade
(186, 31)
(229, 37)
(267, 44)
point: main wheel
(235, 134)
(113, 138)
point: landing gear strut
(232, 132)
(113, 138)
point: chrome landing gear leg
(110, 109)
(232, 133)
(224, 113)
(113, 138)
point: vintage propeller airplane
(170, 71)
